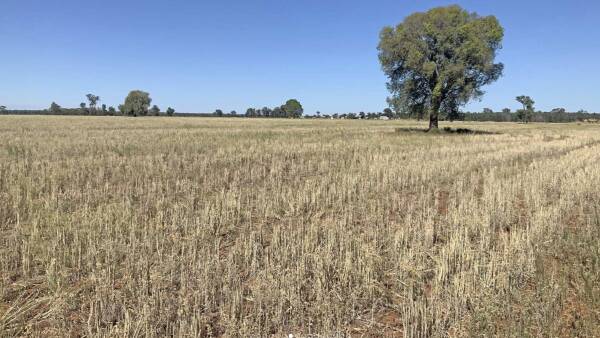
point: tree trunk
(433, 121)
(433, 116)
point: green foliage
(111, 110)
(438, 61)
(266, 112)
(55, 108)
(388, 113)
(155, 110)
(293, 108)
(83, 110)
(170, 111)
(278, 112)
(525, 114)
(93, 100)
(218, 112)
(136, 103)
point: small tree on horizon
(293, 108)
(93, 100)
(388, 112)
(83, 109)
(170, 111)
(525, 114)
(55, 108)
(155, 110)
(136, 103)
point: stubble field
(187, 227)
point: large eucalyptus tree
(438, 60)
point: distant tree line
(529, 114)
(291, 109)
(137, 103)
(387, 114)
(557, 115)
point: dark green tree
(93, 100)
(293, 108)
(233, 113)
(525, 114)
(170, 111)
(488, 111)
(218, 112)
(277, 112)
(266, 112)
(55, 108)
(83, 109)
(111, 111)
(136, 103)
(439, 60)
(155, 110)
(388, 112)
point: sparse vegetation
(237, 227)
(338, 224)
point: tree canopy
(525, 114)
(438, 61)
(155, 110)
(93, 99)
(293, 108)
(55, 108)
(136, 103)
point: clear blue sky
(201, 55)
